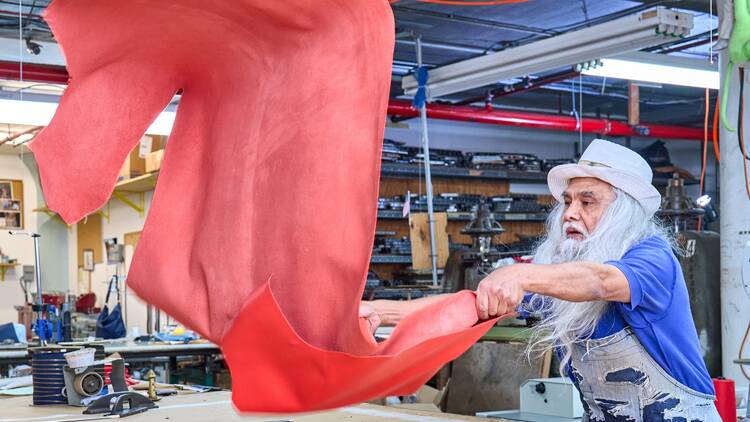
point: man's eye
(587, 203)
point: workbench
(217, 406)
(18, 355)
(151, 353)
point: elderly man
(611, 294)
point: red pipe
(58, 74)
(23, 15)
(545, 121)
(34, 72)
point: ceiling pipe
(603, 127)
(58, 74)
(34, 72)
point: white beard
(568, 250)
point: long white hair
(624, 224)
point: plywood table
(216, 406)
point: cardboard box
(135, 162)
(153, 160)
(426, 399)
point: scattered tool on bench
(121, 404)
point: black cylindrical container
(47, 374)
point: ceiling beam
(694, 5)
(473, 21)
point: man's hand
(500, 292)
(368, 312)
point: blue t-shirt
(659, 313)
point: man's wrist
(520, 272)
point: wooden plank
(634, 104)
(419, 229)
(143, 183)
(546, 364)
(89, 232)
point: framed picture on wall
(10, 205)
(88, 260)
(6, 190)
(10, 220)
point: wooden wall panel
(90, 237)
(132, 239)
(386, 271)
(401, 227)
(394, 186)
(532, 228)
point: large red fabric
(261, 226)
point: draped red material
(261, 226)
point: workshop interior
(485, 99)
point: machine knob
(540, 388)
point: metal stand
(427, 173)
(40, 324)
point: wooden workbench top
(216, 406)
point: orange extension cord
(716, 130)
(705, 141)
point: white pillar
(735, 233)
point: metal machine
(482, 255)
(544, 399)
(677, 208)
(698, 253)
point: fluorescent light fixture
(629, 33)
(22, 139)
(659, 68)
(36, 113)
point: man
(611, 294)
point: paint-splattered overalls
(620, 381)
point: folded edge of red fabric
(330, 379)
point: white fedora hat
(617, 165)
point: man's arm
(390, 312)
(503, 290)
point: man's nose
(572, 213)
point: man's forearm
(393, 311)
(575, 282)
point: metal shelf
(135, 186)
(415, 170)
(390, 259)
(53, 215)
(466, 216)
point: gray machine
(544, 400)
